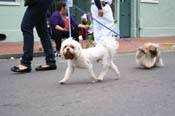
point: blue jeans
(35, 16)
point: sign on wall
(70, 2)
(150, 1)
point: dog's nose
(68, 49)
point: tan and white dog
(77, 57)
(148, 56)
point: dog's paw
(100, 79)
(94, 81)
(161, 64)
(62, 82)
(116, 78)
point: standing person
(106, 19)
(35, 16)
(60, 25)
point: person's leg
(27, 26)
(41, 27)
(83, 38)
(58, 36)
(75, 33)
(96, 26)
(45, 38)
(108, 21)
(31, 18)
(53, 37)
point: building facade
(133, 18)
(11, 12)
(146, 18)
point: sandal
(46, 67)
(21, 69)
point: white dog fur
(77, 57)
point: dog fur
(77, 57)
(148, 56)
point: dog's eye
(72, 47)
(65, 47)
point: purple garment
(56, 19)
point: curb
(40, 54)
(15, 56)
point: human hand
(83, 26)
(100, 12)
(65, 29)
(61, 28)
(86, 27)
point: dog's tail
(111, 44)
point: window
(150, 1)
(9, 2)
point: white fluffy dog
(77, 57)
(148, 56)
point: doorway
(125, 17)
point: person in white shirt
(106, 19)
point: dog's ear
(140, 48)
(78, 49)
(62, 49)
(61, 52)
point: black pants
(57, 36)
(35, 16)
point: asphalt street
(138, 92)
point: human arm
(99, 6)
(77, 24)
(57, 27)
(57, 22)
(83, 26)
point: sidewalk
(14, 49)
